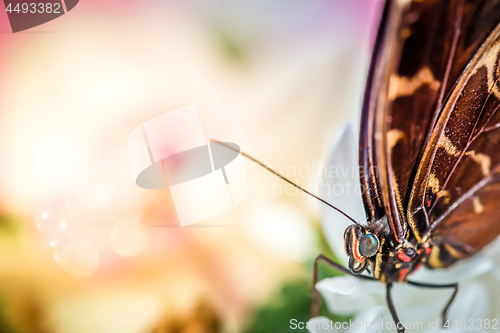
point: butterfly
(429, 145)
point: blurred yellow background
(82, 248)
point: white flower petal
(461, 271)
(340, 187)
(419, 305)
(343, 285)
(319, 324)
(370, 320)
(492, 250)
(471, 302)
(346, 295)
(450, 329)
(492, 283)
(496, 273)
(453, 330)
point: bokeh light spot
(79, 258)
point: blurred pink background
(80, 246)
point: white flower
(478, 298)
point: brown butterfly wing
(457, 182)
(469, 226)
(427, 46)
(369, 178)
(373, 162)
(402, 102)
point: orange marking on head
(402, 256)
(355, 249)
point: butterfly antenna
(284, 178)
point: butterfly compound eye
(368, 245)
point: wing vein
(472, 137)
(464, 197)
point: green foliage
(325, 271)
(293, 301)
(230, 45)
(8, 226)
(5, 325)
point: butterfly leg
(316, 299)
(394, 315)
(452, 285)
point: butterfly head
(366, 248)
(360, 245)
